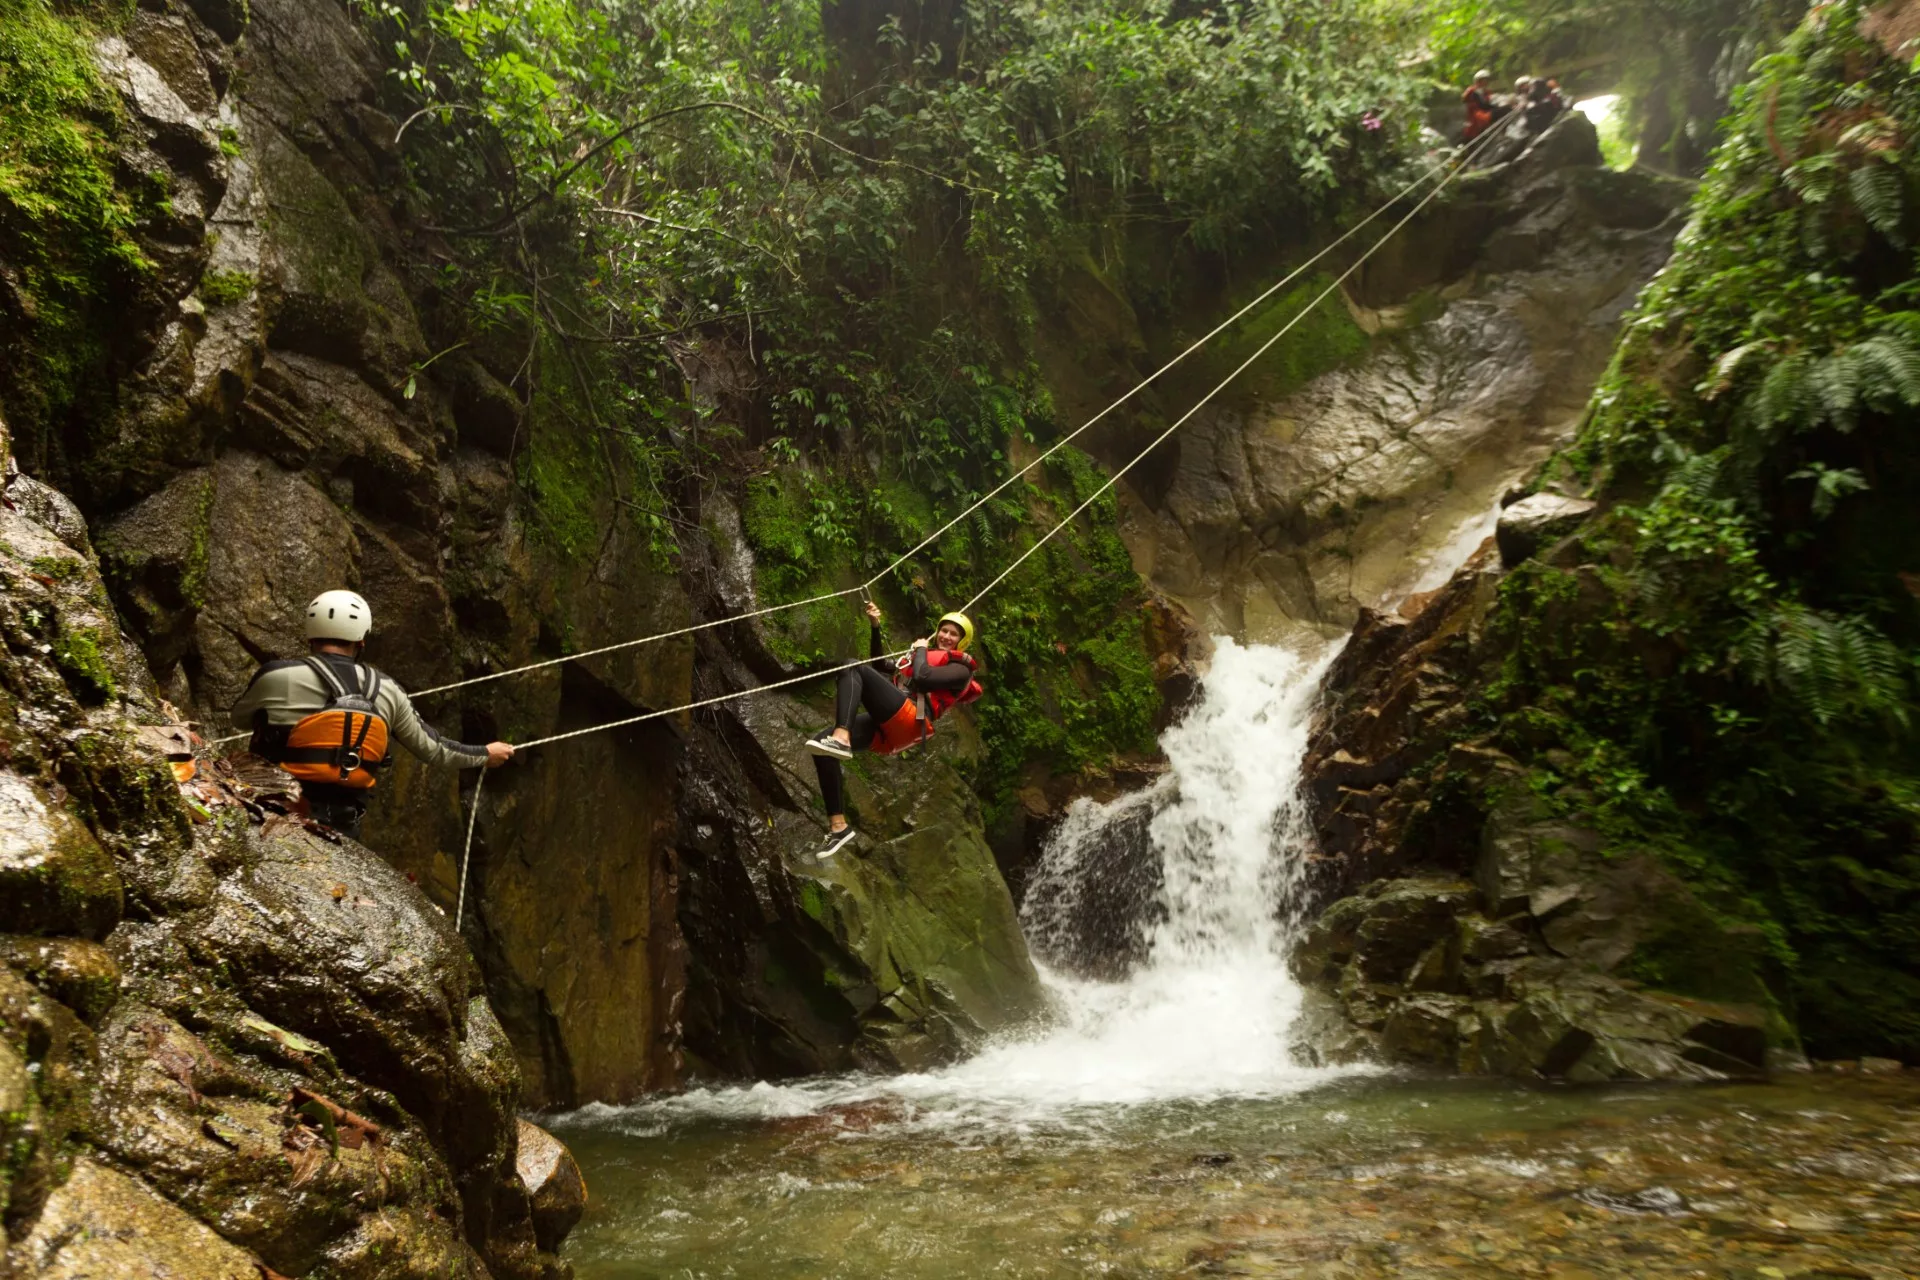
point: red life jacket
(913, 723)
(1479, 112)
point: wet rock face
(271, 436)
(103, 1223)
(223, 1045)
(1469, 920)
(1412, 971)
(901, 952)
(1492, 318)
(276, 432)
(554, 1181)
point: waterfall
(1205, 1004)
(1160, 922)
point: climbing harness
(343, 743)
(912, 724)
(903, 729)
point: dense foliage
(717, 236)
(66, 215)
(1726, 673)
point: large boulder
(1414, 971)
(553, 1181)
(226, 1043)
(902, 951)
(102, 1223)
(1536, 520)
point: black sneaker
(825, 744)
(836, 841)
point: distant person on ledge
(326, 718)
(1543, 104)
(886, 708)
(1482, 108)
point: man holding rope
(886, 708)
(326, 718)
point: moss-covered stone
(68, 210)
(80, 974)
(54, 876)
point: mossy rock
(54, 876)
(922, 906)
(80, 974)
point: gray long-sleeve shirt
(290, 691)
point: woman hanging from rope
(887, 707)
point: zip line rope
(1227, 381)
(467, 853)
(996, 491)
(865, 588)
(473, 819)
(1457, 168)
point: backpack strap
(324, 670)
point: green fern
(1785, 395)
(1801, 393)
(1880, 194)
(1888, 369)
(1699, 477)
(1835, 666)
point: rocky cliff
(1474, 338)
(275, 401)
(1478, 922)
(230, 1044)
(1628, 795)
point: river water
(1159, 1126)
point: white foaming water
(1205, 1014)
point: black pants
(862, 687)
(341, 808)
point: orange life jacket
(1479, 113)
(345, 742)
(898, 731)
(912, 724)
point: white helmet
(339, 615)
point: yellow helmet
(965, 624)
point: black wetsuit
(867, 698)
